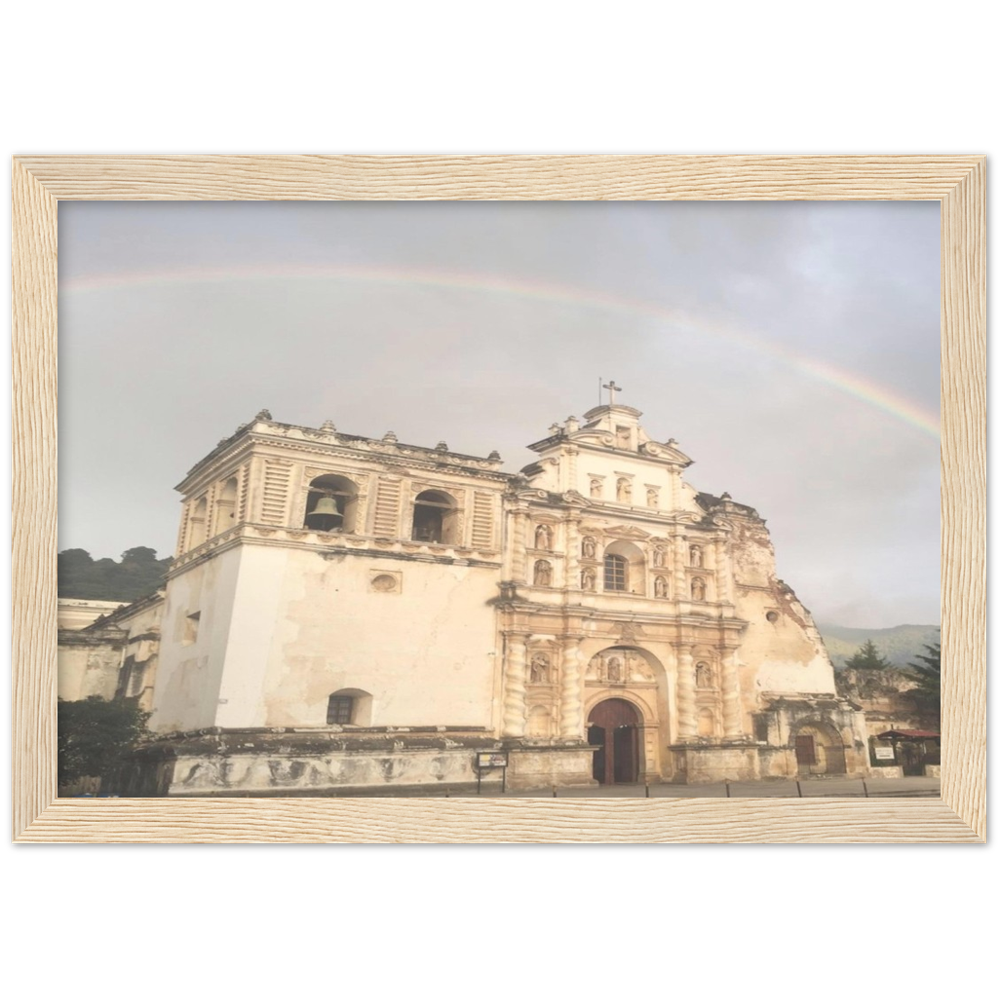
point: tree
(95, 735)
(868, 658)
(139, 573)
(928, 676)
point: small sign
(885, 753)
(491, 760)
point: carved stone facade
(393, 610)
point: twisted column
(732, 710)
(686, 724)
(572, 578)
(513, 677)
(519, 545)
(571, 725)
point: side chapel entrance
(613, 727)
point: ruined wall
(89, 663)
(781, 644)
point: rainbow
(866, 390)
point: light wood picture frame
(958, 182)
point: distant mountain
(900, 644)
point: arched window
(435, 518)
(349, 707)
(225, 507)
(626, 572)
(199, 528)
(340, 710)
(331, 504)
(615, 572)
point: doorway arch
(613, 727)
(818, 749)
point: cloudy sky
(792, 349)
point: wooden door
(613, 727)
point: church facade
(351, 613)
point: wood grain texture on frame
(39, 183)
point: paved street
(811, 788)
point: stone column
(680, 554)
(571, 724)
(519, 545)
(513, 684)
(572, 560)
(732, 710)
(686, 724)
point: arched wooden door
(613, 727)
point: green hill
(899, 644)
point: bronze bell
(326, 505)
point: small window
(615, 572)
(191, 628)
(339, 710)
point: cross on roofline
(612, 389)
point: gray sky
(792, 349)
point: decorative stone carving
(588, 547)
(596, 489)
(539, 669)
(696, 556)
(543, 573)
(697, 589)
(660, 586)
(620, 666)
(588, 579)
(652, 497)
(704, 675)
(659, 556)
(543, 538)
(513, 703)
(623, 491)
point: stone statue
(589, 547)
(543, 573)
(588, 578)
(538, 671)
(703, 675)
(596, 488)
(660, 586)
(696, 555)
(614, 670)
(624, 491)
(659, 556)
(543, 537)
(698, 589)
(652, 498)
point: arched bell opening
(435, 518)
(331, 504)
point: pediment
(630, 532)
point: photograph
(574, 499)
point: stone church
(350, 613)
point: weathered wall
(308, 624)
(89, 663)
(192, 655)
